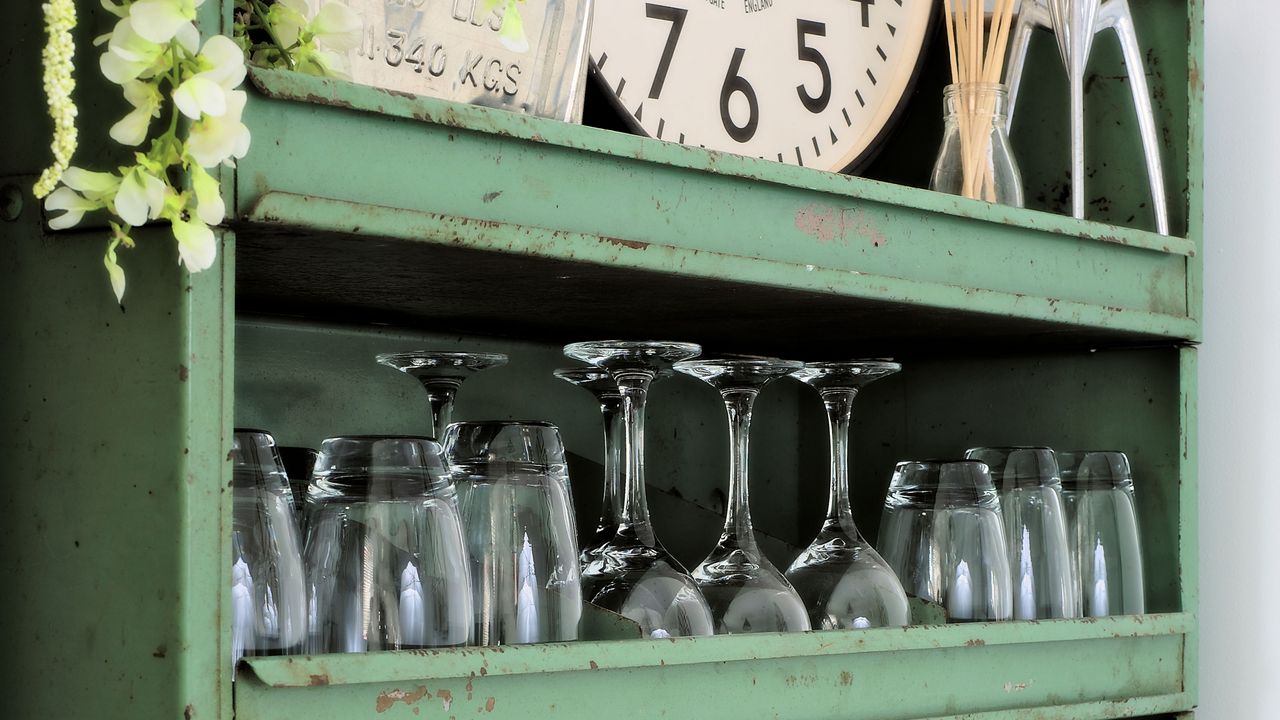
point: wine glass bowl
(745, 591)
(842, 579)
(634, 575)
(441, 374)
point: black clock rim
(854, 167)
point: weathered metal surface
(1131, 664)
(508, 169)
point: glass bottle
(975, 159)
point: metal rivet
(10, 202)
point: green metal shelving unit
(367, 221)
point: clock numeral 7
(675, 16)
(804, 28)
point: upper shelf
(502, 223)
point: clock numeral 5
(735, 83)
(675, 16)
(804, 28)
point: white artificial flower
(512, 34)
(73, 203)
(209, 204)
(288, 18)
(145, 99)
(197, 246)
(213, 140)
(336, 26)
(130, 56)
(222, 69)
(96, 185)
(141, 196)
(58, 60)
(160, 20)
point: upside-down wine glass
(634, 575)
(441, 373)
(602, 386)
(843, 581)
(745, 591)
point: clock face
(810, 83)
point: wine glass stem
(441, 399)
(737, 522)
(634, 388)
(839, 404)
(611, 503)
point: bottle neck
(967, 100)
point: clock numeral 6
(735, 83)
(804, 28)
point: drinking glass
(634, 575)
(441, 373)
(268, 586)
(1097, 489)
(745, 591)
(602, 386)
(842, 579)
(299, 462)
(386, 563)
(1044, 584)
(941, 532)
(517, 516)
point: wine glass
(299, 462)
(1097, 489)
(942, 534)
(517, 515)
(1036, 530)
(602, 386)
(843, 581)
(386, 563)
(268, 585)
(441, 373)
(634, 575)
(745, 591)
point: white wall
(1240, 366)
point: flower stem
(261, 10)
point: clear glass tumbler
(268, 586)
(386, 563)
(1035, 523)
(1103, 531)
(517, 516)
(942, 534)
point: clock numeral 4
(805, 28)
(735, 83)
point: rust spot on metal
(183, 373)
(446, 698)
(594, 666)
(1194, 80)
(491, 196)
(189, 712)
(160, 650)
(633, 244)
(488, 704)
(385, 700)
(846, 678)
(830, 224)
(319, 680)
(975, 642)
(484, 670)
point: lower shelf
(1092, 668)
